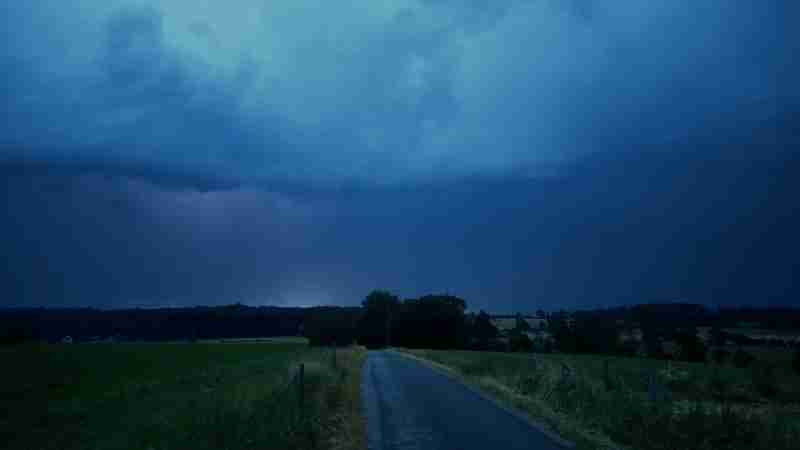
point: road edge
(449, 373)
(371, 405)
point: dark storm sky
(520, 154)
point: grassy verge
(607, 402)
(344, 423)
(178, 396)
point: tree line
(441, 322)
(431, 321)
(149, 324)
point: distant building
(505, 324)
(539, 335)
(632, 335)
(536, 323)
(541, 338)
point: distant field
(177, 396)
(602, 402)
(789, 336)
(261, 340)
(759, 333)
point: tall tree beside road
(332, 325)
(433, 321)
(380, 311)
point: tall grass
(644, 404)
(170, 396)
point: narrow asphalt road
(411, 406)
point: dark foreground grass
(608, 402)
(177, 396)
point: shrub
(763, 379)
(14, 336)
(720, 355)
(716, 384)
(520, 342)
(692, 348)
(742, 359)
(627, 348)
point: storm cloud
(320, 92)
(303, 152)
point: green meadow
(616, 402)
(179, 396)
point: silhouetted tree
(375, 327)
(653, 337)
(763, 379)
(564, 337)
(201, 322)
(720, 355)
(483, 331)
(520, 342)
(796, 361)
(595, 334)
(717, 336)
(742, 359)
(433, 321)
(692, 348)
(332, 326)
(14, 335)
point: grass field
(611, 402)
(179, 396)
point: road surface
(411, 406)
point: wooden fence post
(305, 419)
(566, 375)
(301, 389)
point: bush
(763, 379)
(720, 355)
(742, 359)
(541, 345)
(483, 331)
(520, 342)
(716, 384)
(692, 348)
(14, 336)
